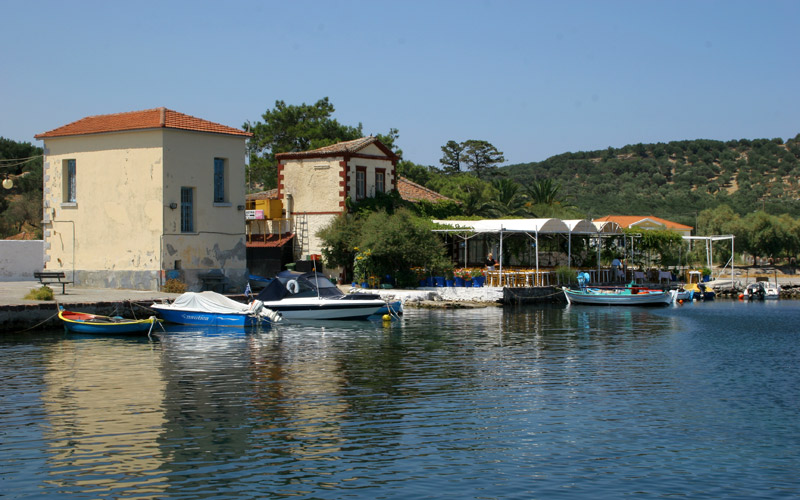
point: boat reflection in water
(104, 414)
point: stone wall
(19, 259)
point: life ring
(292, 286)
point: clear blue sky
(534, 78)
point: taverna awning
(531, 227)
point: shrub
(43, 293)
(566, 275)
(174, 286)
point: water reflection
(104, 414)
(530, 397)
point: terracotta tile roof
(140, 120)
(630, 220)
(411, 191)
(269, 240)
(339, 149)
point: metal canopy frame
(533, 228)
(709, 240)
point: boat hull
(199, 318)
(620, 299)
(102, 325)
(312, 308)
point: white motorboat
(619, 296)
(312, 296)
(771, 290)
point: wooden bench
(52, 278)
(213, 280)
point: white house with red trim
(314, 185)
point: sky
(534, 78)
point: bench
(54, 278)
(214, 279)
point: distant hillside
(677, 179)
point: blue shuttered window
(187, 210)
(71, 196)
(219, 180)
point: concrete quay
(19, 314)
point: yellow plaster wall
(117, 218)
(313, 184)
(121, 232)
(219, 238)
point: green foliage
(288, 128)
(397, 243)
(481, 157)
(340, 239)
(41, 293)
(566, 275)
(675, 180)
(452, 157)
(174, 286)
(20, 206)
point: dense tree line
(21, 205)
(676, 180)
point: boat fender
(292, 286)
(255, 307)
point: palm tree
(510, 200)
(544, 192)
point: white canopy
(533, 227)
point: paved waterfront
(12, 293)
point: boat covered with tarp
(214, 309)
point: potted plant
(478, 278)
(459, 277)
(448, 277)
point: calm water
(698, 401)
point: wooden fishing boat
(78, 322)
(620, 297)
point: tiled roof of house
(339, 149)
(140, 120)
(630, 220)
(411, 191)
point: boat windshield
(294, 284)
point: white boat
(619, 296)
(771, 290)
(311, 295)
(213, 309)
(684, 294)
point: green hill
(677, 179)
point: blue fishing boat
(214, 309)
(78, 322)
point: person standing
(490, 262)
(615, 265)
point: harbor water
(693, 401)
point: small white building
(132, 198)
